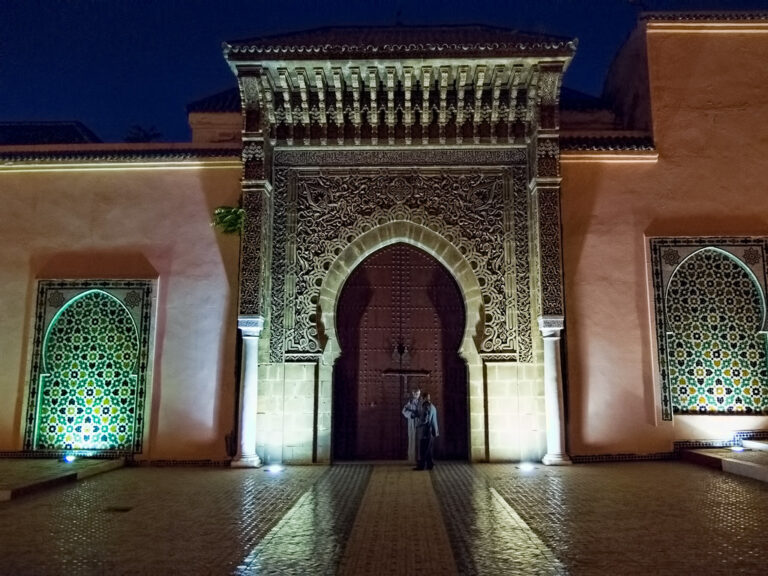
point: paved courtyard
(632, 518)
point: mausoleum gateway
(365, 140)
(423, 207)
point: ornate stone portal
(443, 138)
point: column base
(556, 460)
(246, 462)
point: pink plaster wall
(130, 224)
(710, 112)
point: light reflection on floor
(629, 519)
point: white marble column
(246, 457)
(551, 327)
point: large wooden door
(400, 320)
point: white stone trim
(246, 457)
(551, 327)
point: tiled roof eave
(611, 142)
(705, 16)
(291, 52)
(12, 156)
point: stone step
(752, 463)
(20, 476)
(755, 444)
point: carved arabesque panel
(484, 213)
(255, 250)
(550, 250)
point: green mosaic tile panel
(88, 378)
(716, 354)
(88, 387)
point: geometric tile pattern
(716, 354)
(709, 303)
(88, 387)
(89, 377)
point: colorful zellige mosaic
(716, 355)
(89, 386)
(88, 378)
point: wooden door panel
(400, 311)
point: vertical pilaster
(254, 260)
(551, 327)
(250, 327)
(256, 196)
(548, 234)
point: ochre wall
(130, 223)
(710, 111)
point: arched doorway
(400, 323)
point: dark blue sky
(114, 63)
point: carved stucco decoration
(549, 86)
(548, 157)
(253, 160)
(550, 250)
(250, 90)
(406, 103)
(251, 94)
(483, 212)
(255, 260)
(430, 157)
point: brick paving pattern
(399, 529)
(147, 521)
(629, 519)
(311, 536)
(641, 518)
(487, 536)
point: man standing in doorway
(427, 431)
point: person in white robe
(411, 413)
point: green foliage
(228, 219)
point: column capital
(251, 325)
(551, 325)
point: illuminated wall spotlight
(274, 468)
(70, 458)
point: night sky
(115, 63)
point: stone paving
(399, 529)
(642, 517)
(488, 536)
(150, 521)
(631, 518)
(310, 538)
